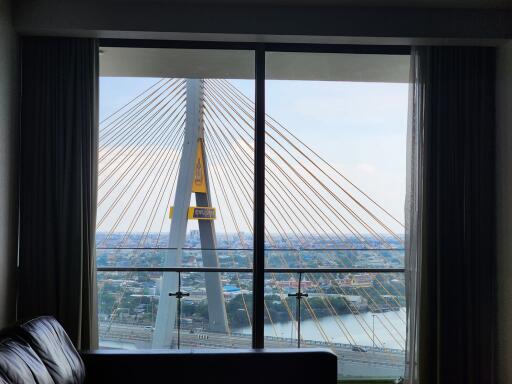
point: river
(351, 329)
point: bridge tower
(192, 178)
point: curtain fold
(58, 183)
(413, 212)
(450, 259)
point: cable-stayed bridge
(179, 156)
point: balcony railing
(358, 312)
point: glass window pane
(174, 190)
(335, 192)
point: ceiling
(233, 64)
(468, 4)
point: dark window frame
(260, 50)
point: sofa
(40, 352)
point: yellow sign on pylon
(199, 180)
(201, 213)
(198, 213)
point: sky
(359, 128)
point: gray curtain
(450, 258)
(58, 182)
(413, 212)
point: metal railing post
(298, 296)
(179, 295)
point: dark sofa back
(40, 352)
(51, 342)
(20, 364)
(316, 366)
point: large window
(335, 184)
(178, 243)
(168, 200)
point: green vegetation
(142, 308)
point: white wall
(504, 211)
(8, 149)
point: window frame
(260, 50)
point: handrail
(250, 249)
(249, 270)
